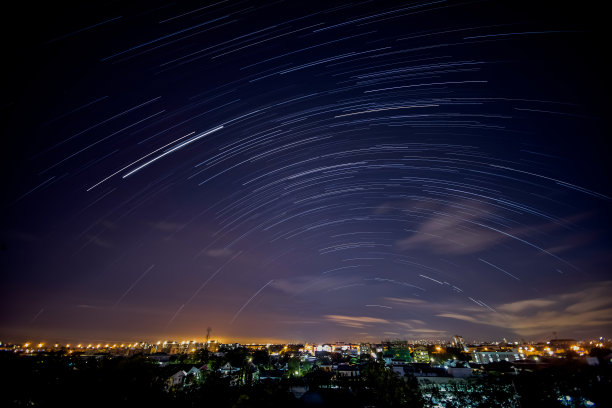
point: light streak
(249, 301)
(201, 135)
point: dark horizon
(305, 171)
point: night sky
(305, 171)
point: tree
(307, 366)
(202, 356)
(337, 358)
(600, 352)
(381, 387)
(318, 378)
(237, 357)
(261, 358)
(293, 366)
(564, 379)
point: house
(227, 369)
(177, 379)
(180, 375)
(193, 375)
(161, 358)
(274, 375)
(345, 370)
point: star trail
(305, 171)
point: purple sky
(331, 171)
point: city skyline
(305, 172)
(198, 343)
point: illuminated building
(459, 342)
(486, 357)
(420, 355)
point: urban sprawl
(430, 374)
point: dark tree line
(59, 380)
(56, 380)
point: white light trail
(249, 301)
(136, 161)
(201, 135)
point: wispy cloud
(585, 308)
(452, 229)
(460, 317)
(431, 332)
(219, 253)
(356, 321)
(404, 300)
(523, 305)
(466, 226)
(299, 284)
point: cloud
(409, 328)
(431, 332)
(463, 227)
(586, 308)
(428, 331)
(591, 299)
(355, 321)
(312, 283)
(459, 317)
(394, 282)
(219, 253)
(522, 305)
(351, 285)
(451, 229)
(404, 300)
(386, 208)
(299, 284)
(587, 305)
(410, 325)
